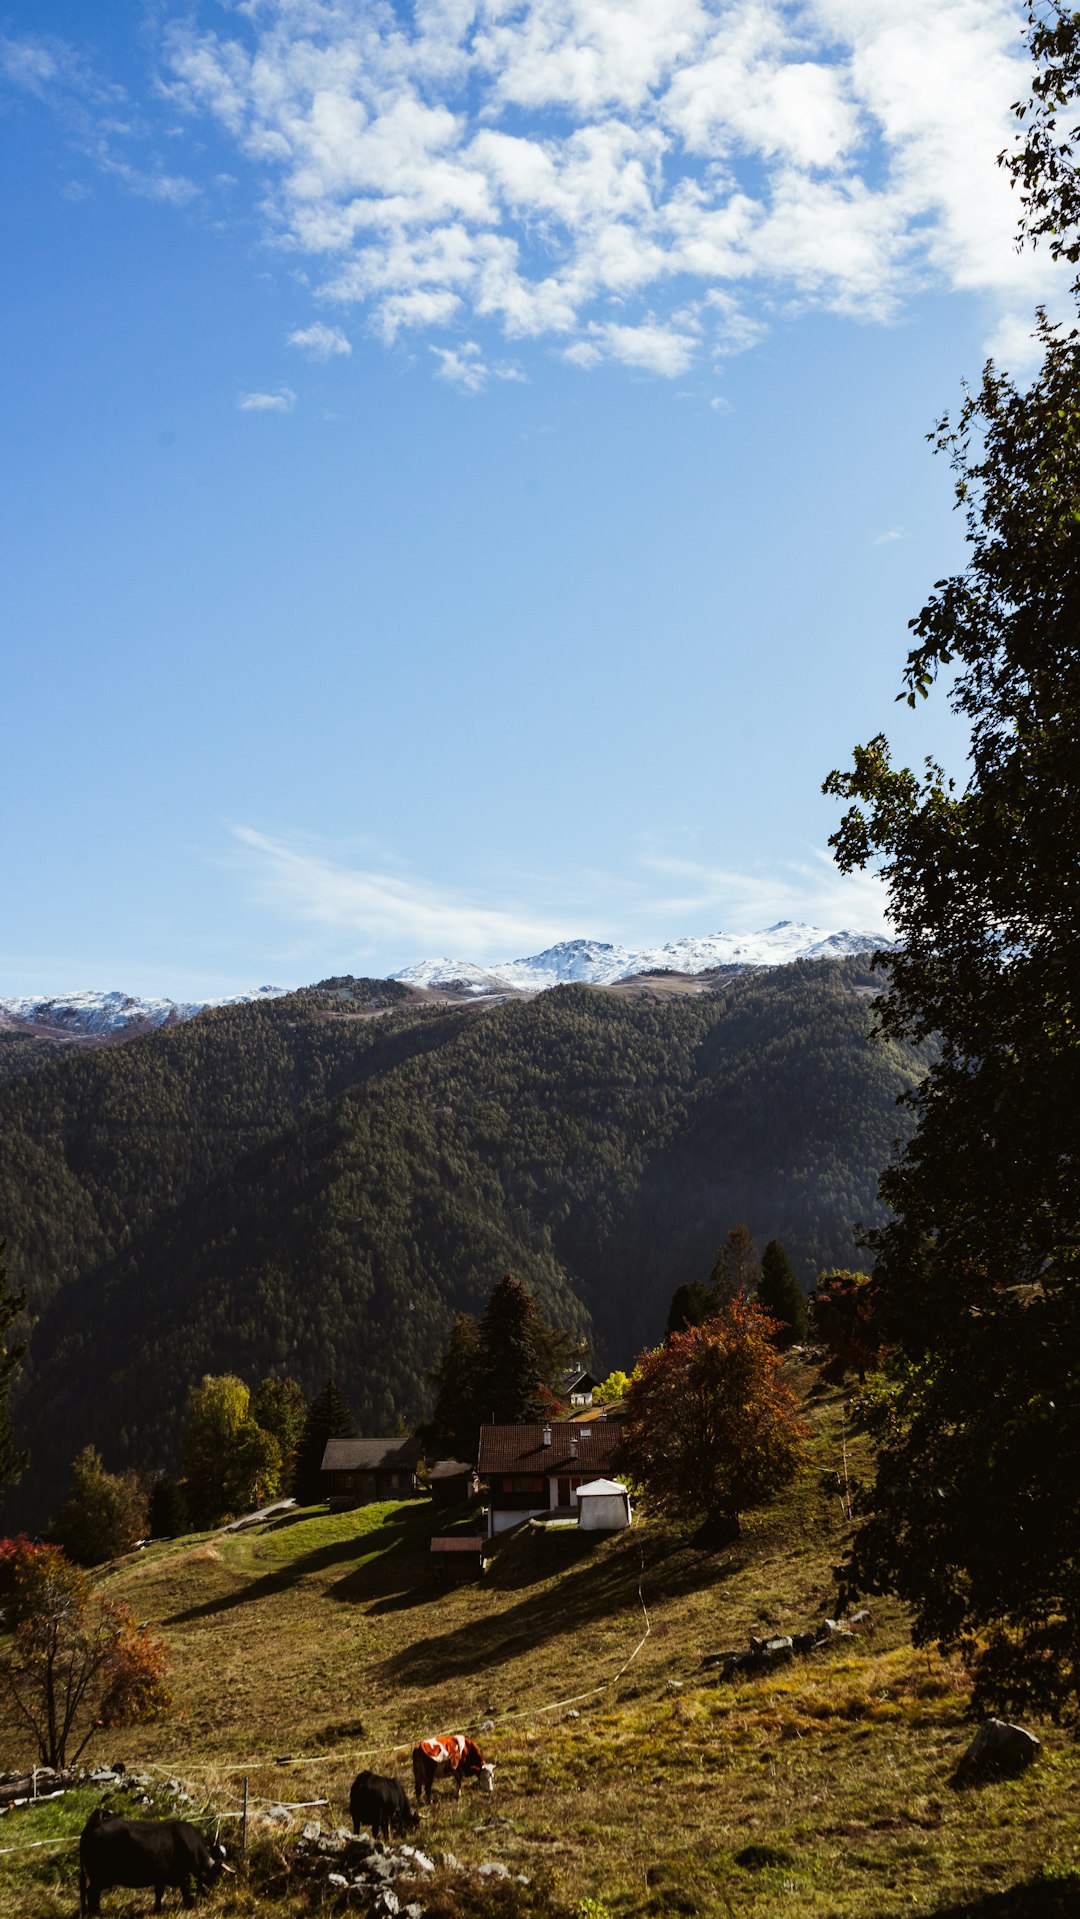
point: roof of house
(370, 1455)
(459, 1543)
(578, 1379)
(451, 1469)
(574, 1448)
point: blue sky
(468, 479)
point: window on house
(508, 1485)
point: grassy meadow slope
(291, 1185)
(324, 1637)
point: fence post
(243, 1819)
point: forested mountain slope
(288, 1184)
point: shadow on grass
(602, 1586)
(398, 1542)
(1051, 1897)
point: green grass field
(326, 1638)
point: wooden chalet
(355, 1472)
(452, 1481)
(532, 1470)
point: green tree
(329, 1417)
(691, 1305)
(521, 1357)
(1043, 163)
(252, 1470)
(737, 1268)
(280, 1408)
(711, 1426)
(451, 1431)
(612, 1389)
(12, 1460)
(976, 1508)
(104, 1513)
(231, 1464)
(72, 1662)
(780, 1295)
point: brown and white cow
(451, 1753)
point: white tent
(603, 1506)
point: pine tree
(781, 1296)
(737, 1269)
(691, 1305)
(516, 1356)
(451, 1430)
(329, 1417)
(12, 1460)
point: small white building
(603, 1506)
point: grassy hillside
(299, 1186)
(325, 1638)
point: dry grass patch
(821, 1791)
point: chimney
(573, 1445)
(547, 1435)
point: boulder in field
(998, 1751)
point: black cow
(143, 1852)
(381, 1804)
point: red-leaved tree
(72, 1662)
(711, 1426)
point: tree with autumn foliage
(73, 1663)
(711, 1426)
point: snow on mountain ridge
(599, 963)
(107, 1014)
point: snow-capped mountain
(591, 962)
(597, 963)
(113, 1015)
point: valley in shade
(319, 1182)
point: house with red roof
(536, 1470)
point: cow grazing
(382, 1804)
(450, 1753)
(143, 1852)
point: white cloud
(582, 169)
(654, 348)
(320, 342)
(811, 888)
(379, 907)
(893, 533)
(464, 367)
(387, 910)
(282, 401)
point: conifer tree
(451, 1430)
(781, 1296)
(329, 1417)
(12, 1460)
(737, 1269)
(691, 1305)
(520, 1356)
